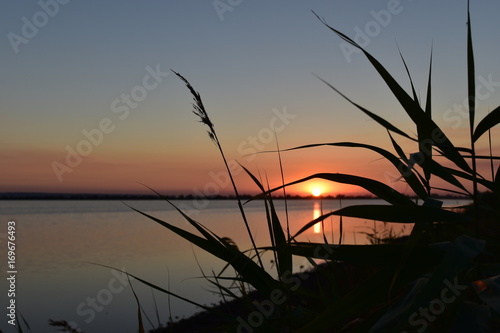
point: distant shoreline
(97, 196)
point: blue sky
(250, 60)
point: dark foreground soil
(317, 287)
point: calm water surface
(59, 243)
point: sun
(316, 191)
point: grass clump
(443, 277)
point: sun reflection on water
(316, 214)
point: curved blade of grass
(149, 284)
(492, 165)
(450, 191)
(496, 184)
(407, 162)
(428, 104)
(486, 183)
(223, 291)
(425, 133)
(373, 186)
(415, 97)
(268, 218)
(385, 255)
(63, 324)
(412, 108)
(211, 246)
(372, 115)
(25, 322)
(139, 316)
(424, 136)
(204, 276)
(402, 168)
(483, 157)
(471, 76)
(443, 173)
(402, 214)
(488, 122)
(283, 253)
(271, 233)
(249, 270)
(398, 149)
(209, 235)
(396, 214)
(197, 225)
(415, 184)
(283, 183)
(282, 246)
(471, 85)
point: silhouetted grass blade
(384, 255)
(282, 246)
(428, 101)
(471, 76)
(405, 171)
(488, 122)
(249, 270)
(372, 115)
(415, 97)
(278, 237)
(402, 214)
(443, 173)
(398, 214)
(423, 122)
(200, 111)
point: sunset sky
(88, 103)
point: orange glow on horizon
(316, 191)
(318, 188)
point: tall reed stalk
(200, 111)
(471, 85)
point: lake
(59, 243)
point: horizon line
(117, 196)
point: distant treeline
(99, 196)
